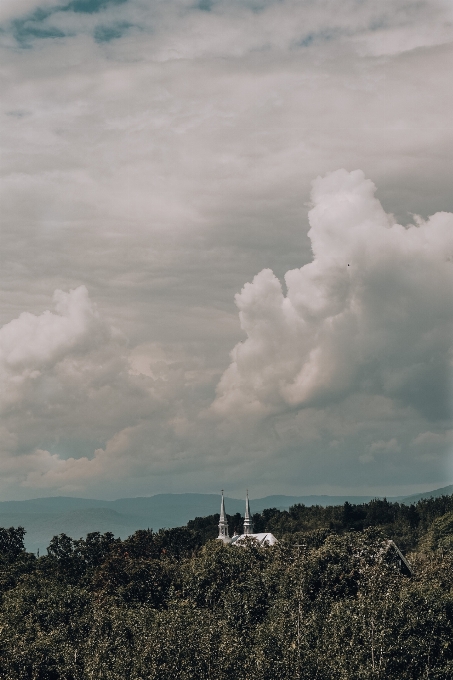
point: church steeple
(248, 526)
(223, 524)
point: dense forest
(330, 601)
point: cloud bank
(351, 364)
(182, 29)
(159, 155)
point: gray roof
(264, 539)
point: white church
(264, 539)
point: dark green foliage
(405, 524)
(11, 543)
(208, 527)
(328, 602)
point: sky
(226, 254)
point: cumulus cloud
(56, 373)
(378, 448)
(368, 314)
(33, 341)
(81, 410)
(32, 344)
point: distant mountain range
(46, 517)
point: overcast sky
(227, 247)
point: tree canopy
(328, 602)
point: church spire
(248, 526)
(223, 524)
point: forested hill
(405, 524)
(328, 602)
(45, 517)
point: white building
(264, 539)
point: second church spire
(248, 526)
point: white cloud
(367, 314)
(34, 341)
(10, 9)
(33, 344)
(378, 448)
(390, 446)
(434, 440)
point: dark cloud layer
(159, 155)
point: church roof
(264, 539)
(397, 557)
